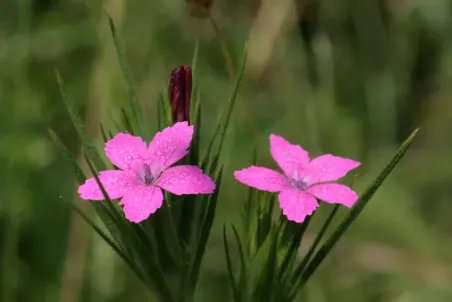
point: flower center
(298, 184)
(146, 175)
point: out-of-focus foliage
(351, 77)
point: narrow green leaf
(248, 208)
(165, 114)
(117, 125)
(269, 274)
(235, 292)
(146, 232)
(104, 134)
(167, 109)
(107, 239)
(107, 202)
(201, 213)
(355, 211)
(231, 103)
(296, 234)
(186, 227)
(300, 267)
(317, 240)
(79, 175)
(139, 246)
(194, 148)
(206, 159)
(131, 89)
(254, 233)
(222, 127)
(160, 113)
(269, 206)
(258, 266)
(79, 125)
(206, 227)
(119, 221)
(264, 212)
(243, 265)
(195, 95)
(116, 224)
(214, 164)
(169, 233)
(126, 122)
(100, 209)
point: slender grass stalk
(223, 46)
(317, 240)
(78, 237)
(9, 267)
(355, 211)
(9, 264)
(232, 74)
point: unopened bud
(180, 93)
(199, 8)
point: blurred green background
(347, 77)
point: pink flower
(144, 172)
(303, 180)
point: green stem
(9, 261)
(231, 71)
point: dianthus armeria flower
(303, 180)
(145, 171)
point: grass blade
(317, 240)
(299, 270)
(195, 89)
(243, 267)
(222, 127)
(205, 230)
(138, 246)
(235, 291)
(206, 159)
(195, 144)
(131, 89)
(165, 115)
(108, 204)
(355, 211)
(79, 175)
(270, 271)
(294, 243)
(160, 113)
(108, 218)
(104, 134)
(107, 239)
(126, 122)
(227, 113)
(79, 125)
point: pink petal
(141, 202)
(297, 204)
(329, 167)
(170, 145)
(290, 158)
(262, 178)
(185, 179)
(334, 193)
(115, 182)
(125, 149)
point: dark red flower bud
(180, 93)
(199, 8)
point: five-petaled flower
(145, 171)
(303, 180)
